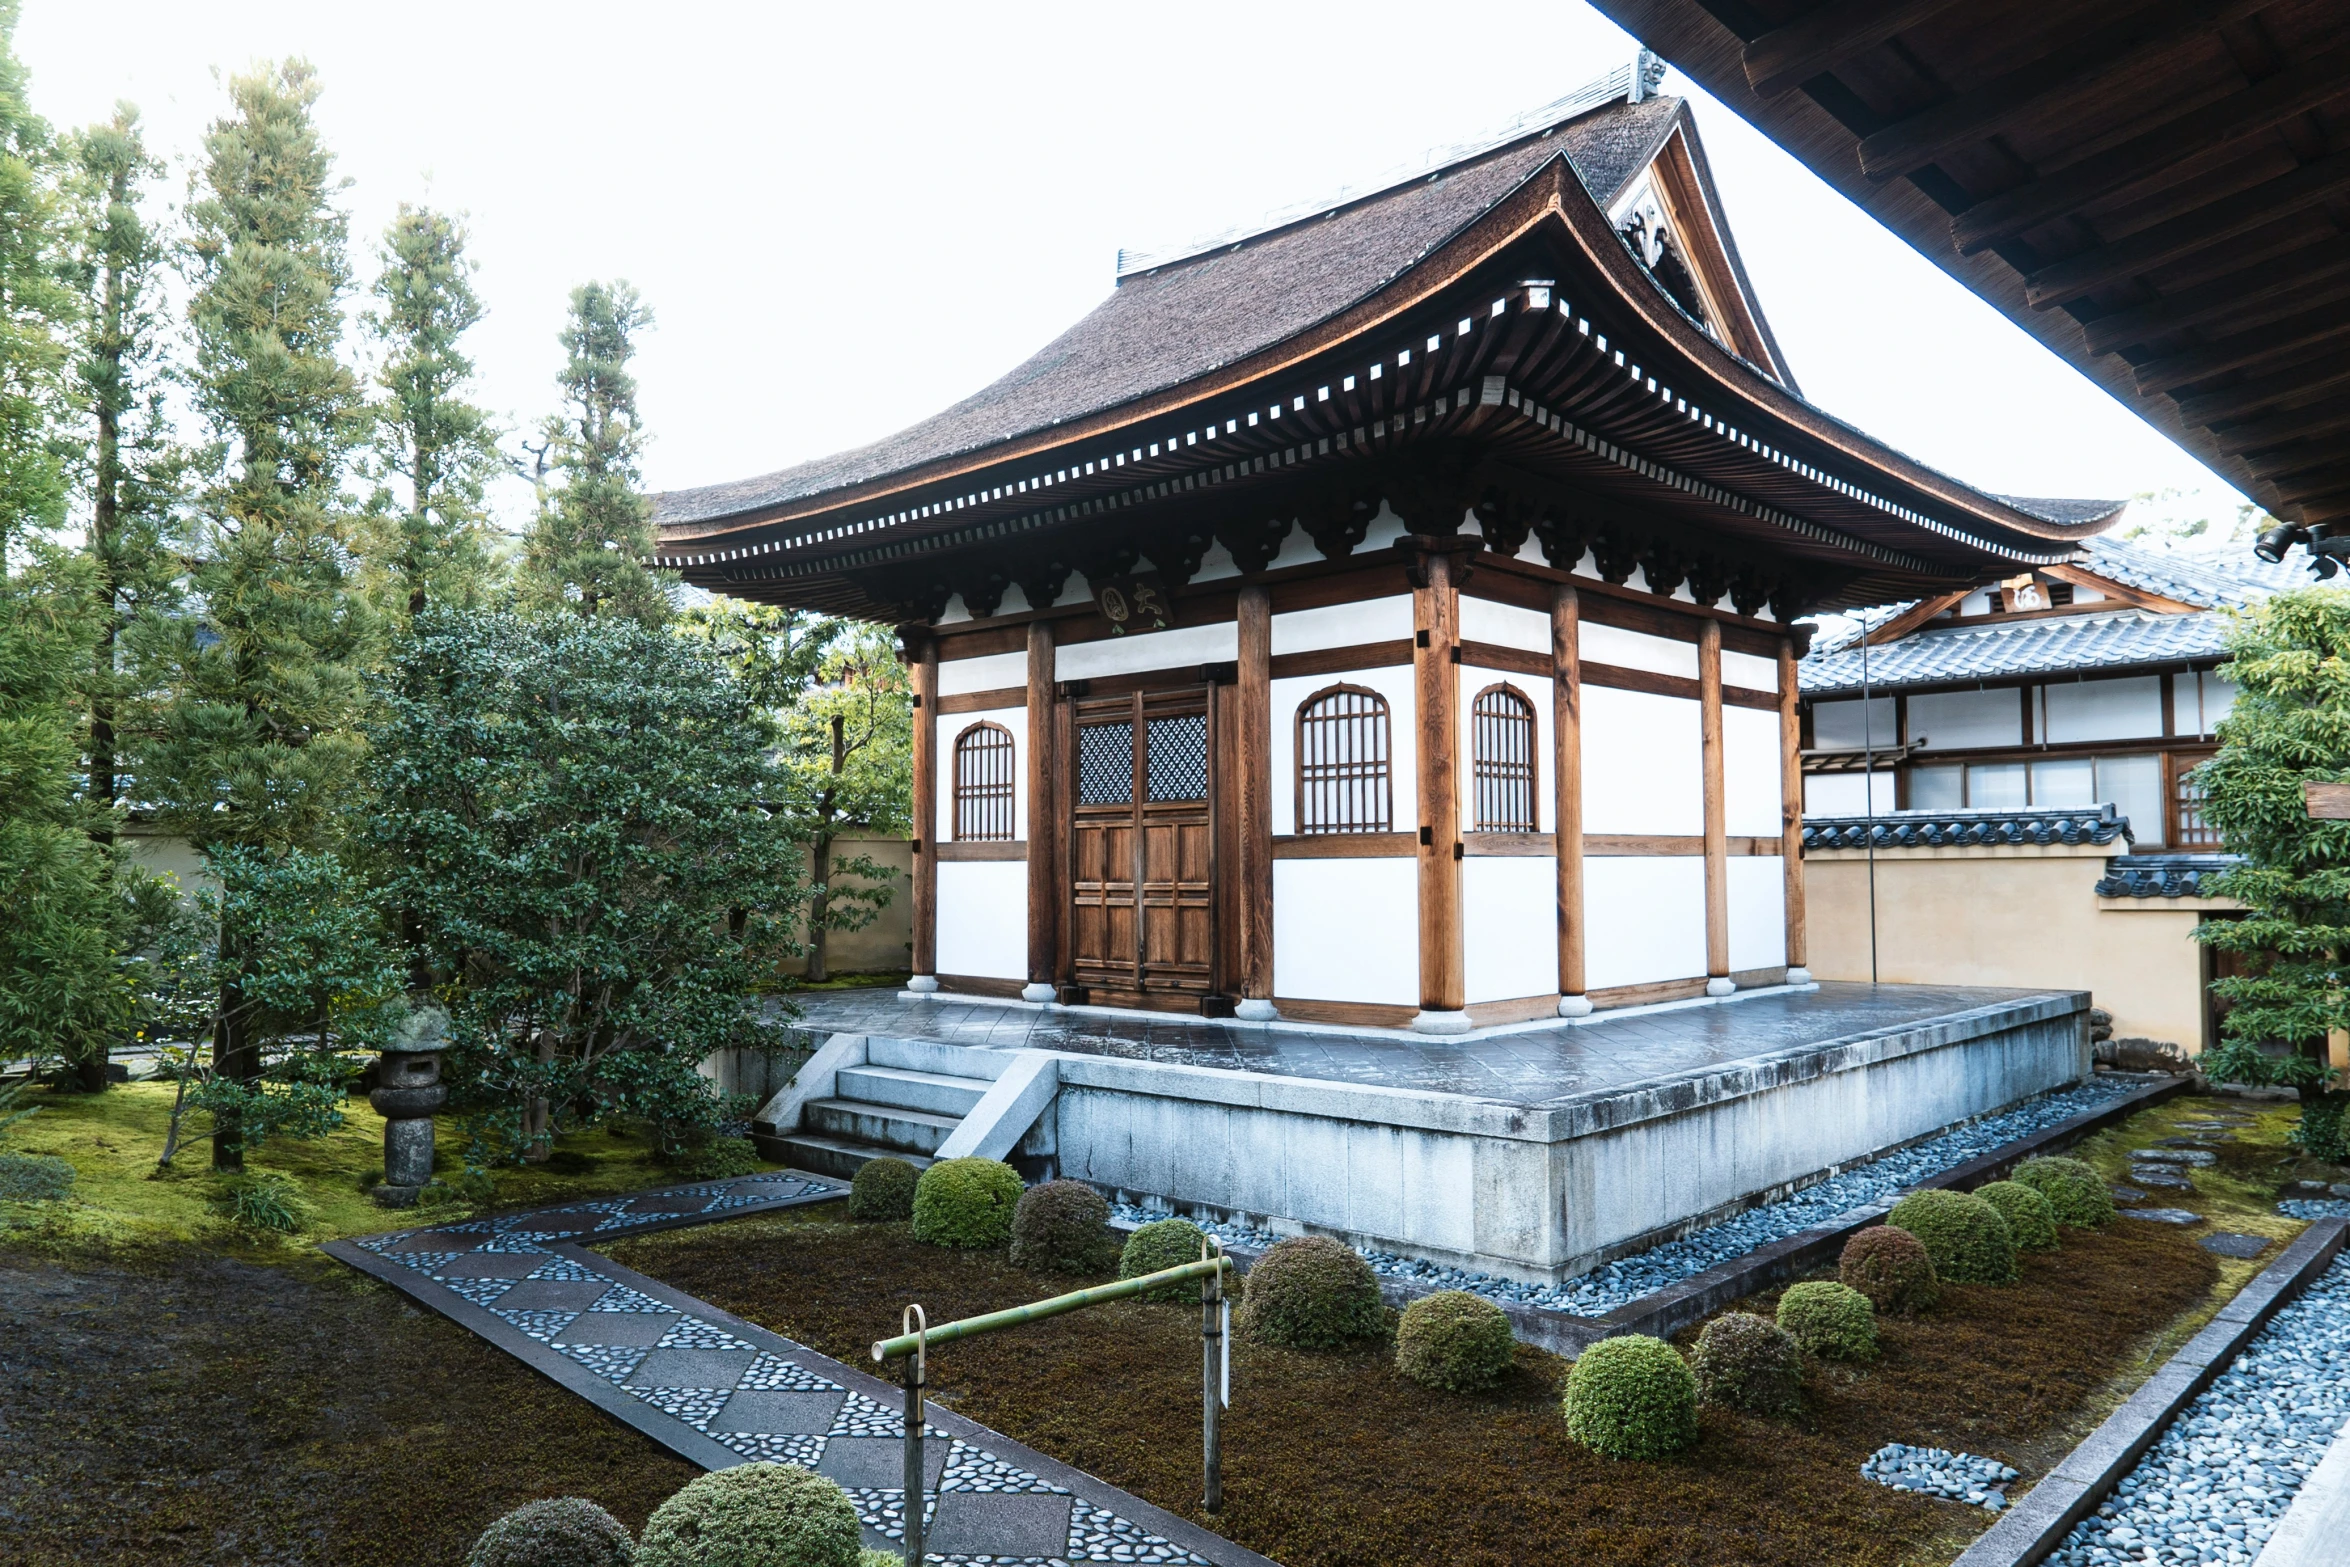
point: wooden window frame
(1382, 712)
(1504, 775)
(983, 802)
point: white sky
(847, 217)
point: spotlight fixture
(2274, 545)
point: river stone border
(2036, 1526)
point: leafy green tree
(36, 307)
(256, 740)
(574, 807)
(594, 533)
(2290, 725)
(847, 750)
(435, 451)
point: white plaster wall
(1347, 930)
(1836, 726)
(1535, 689)
(1758, 911)
(1297, 549)
(1394, 683)
(1504, 625)
(1138, 651)
(990, 672)
(2103, 709)
(1644, 919)
(1749, 671)
(1643, 762)
(1509, 926)
(1384, 530)
(1847, 794)
(1750, 772)
(1945, 720)
(983, 918)
(1636, 650)
(1343, 625)
(951, 725)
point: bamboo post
(917, 1364)
(1566, 722)
(1212, 1352)
(925, 878)
(1791, 812)
(1717, 843)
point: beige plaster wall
(2019, 915)
(886, 945)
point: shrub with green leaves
(882, 1190)
(562, 1531)
(1632, 1397)
(268, 1203)
(2075, 1191)
(1750, 1363)
(2030, 1217)
(34, 1177)
(966, 1202)
(1891, 1268)
(1968, 1240)
(1455, 1341)
(1832, 1321)
(1311, 1292)
(1160, 1244)
(754, 1515)
(718, 1159)
(1063, 1227)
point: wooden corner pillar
(1566, 730)
(1044, 819)
(1252, 751)
(1717, 831)
(1791, 813)
(1436, 613)
(922, 661)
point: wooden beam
(1252, 751)
(2270, 102)
(981, 849)
(1791, 803)
(1347, 846)
(1044, 820)
(982, 701)
(1717, 849)
(2302, 383)
(2280, 429)
(2260, 291)
(1911, 618)
(1436, 617)
(2084, 577)
(2238, 212)
(924, 678)
(1826, 38)
(1566, 771)
(2245, 348)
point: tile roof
(2095, 824)
(2164, 875)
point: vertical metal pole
(1868, 786)
(1211, 1333)
(916, 1368)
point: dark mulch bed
(188, 1408)
(1334, 1459)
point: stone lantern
(408, 1090)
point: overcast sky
(846, 217)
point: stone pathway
(719, 1391)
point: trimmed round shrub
(754, 1515)
(1063, 1227)
(1311, 1292)
(1750, 1363)
(1832, 1321)
(1631, 1397)
(718, 1159)
(966, 1202)
(562, 1531)
(1968, 1240)
(883, 1189)
(1891, 1268)
(1455, 1341)
(1163, 1243)
(2030, 1217)
(2076, 1192)
(34, 1177)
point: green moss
(1964, 1235)
(2075, 1191)
(966, 1202)
(1632, 1397)
(1832, 1321)
(1455, 1341)
(719, 1159)
(34, 1177)
(2031, 1219)
(754, 1515)
(1162, 1243)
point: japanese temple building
(1385, 616)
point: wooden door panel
(1142, 866)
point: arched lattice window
(1343, 780)
(983, 784)
(1502, 767)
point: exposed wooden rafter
(1828, 37)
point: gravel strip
(2214, 1487)
(1937, 1471)
(1602, 1290)
(2310, 1209)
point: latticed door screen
(2188, 828)
(1105, 764)
(1343, 782)
(983, 785)
(1502, 759)
(1140, 844)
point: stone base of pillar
(1039, 991)
(1255, 1009)
(1799, 976)
(395, 1196)
(1574, 1006)
(1441, 1023)
(923, 984)
(1720, 985)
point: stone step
(927, 1055)
(884, 1126)
(823, 1155)
(935, 1092)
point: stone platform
(1533, 1152)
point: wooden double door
(1142, 835)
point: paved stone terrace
(1535, 1065)
(719, 1391)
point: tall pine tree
(35, 308)
(259, 739)
(439, 448)
(594, 532)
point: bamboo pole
(1037, 1311)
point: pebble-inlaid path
(719, 1391)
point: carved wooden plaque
(1138, 603)
(2327, 802)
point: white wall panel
(1952, 720)
(1758, 911)
(1393, 682)
(1842, 794)
(1749, 671)
(1644, 919)
(1509, 926)
(1534, 689)
(951, 725)
(983, 918)
(1504, 625)
(1750, 772)
(1343, 625)
(1836, 726)
(1636, 650)
(2103, 709)
(1347, 930)
(1643, 768)
(992, 672)
(1136, 652)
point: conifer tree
(35, 308)
(594, 533)
(259, 737)
(440, 447)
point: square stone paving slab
(493, 1265)
(969, 1524)
(554, 1295)
(773, 1413)
(619, 1327)
(2230, 1243)
(719, 1368)
(879, 1463)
